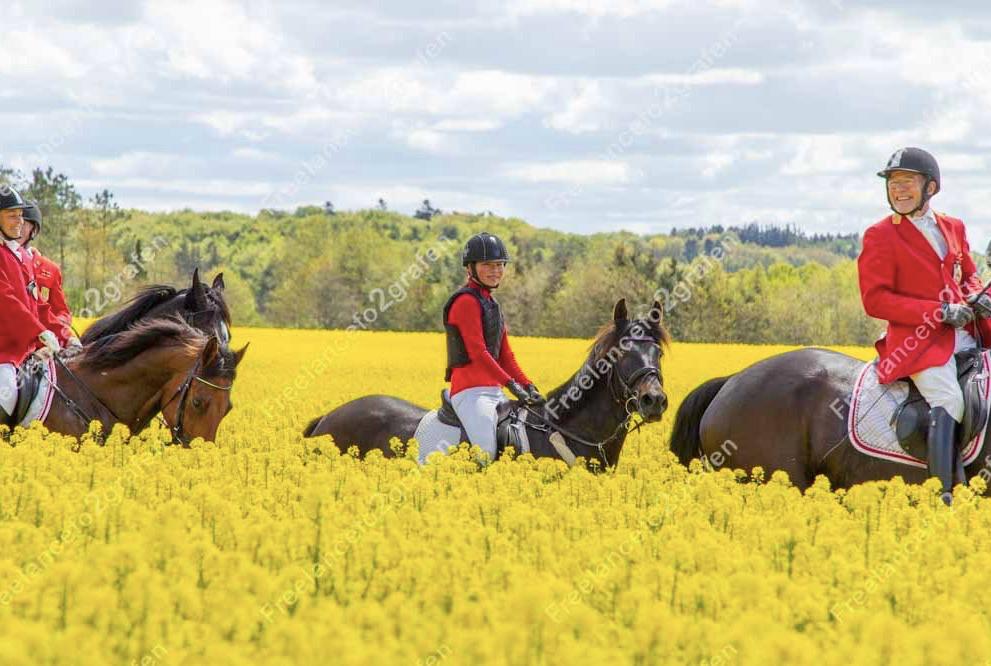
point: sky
(576, 115)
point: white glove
(52, 347)
(73, 342)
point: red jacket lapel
(908, 232)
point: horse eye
(197, 403)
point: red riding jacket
(21, 322)
(481, 369)
(904, 282)
(49, 278)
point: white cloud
(574, 172)
(713, 163)
(706, 77)
(221, 40)
(821, 154)
(582, 112)
(220, 187)
(429, 141)
(136, 163)
(467, 125)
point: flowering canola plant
(266, 547)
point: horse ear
(196, 296)
(210, 351)
(657, 313)
(619, 312)
(239, 354)
(218, 282)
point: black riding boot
(961, 473)
(942, 450)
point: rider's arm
(17, 323)
(466, 314)
(876, 267)
(507, 359)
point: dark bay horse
(788, 412)
(152, 367)
(621, 376)
(202, 307)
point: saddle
(29, 377)
(510, 424)
(911, 418)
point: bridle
(626, 394)
(178, 435)
(183, 394)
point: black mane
(137, 308)
(145, 303)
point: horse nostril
(647, 401)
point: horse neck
(134, 390)
(593, 416)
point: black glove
(956, 315)
(981, 305)
(534, 394)
(518, 391)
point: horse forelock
(609, 336)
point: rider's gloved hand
(518, 391)
(73, 342)
(534, 395)
(51, 346)
(981, 304)
(956, 315)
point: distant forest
(319, 267)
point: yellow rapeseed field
(265, 548)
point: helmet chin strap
(922, 203)
(474, 276)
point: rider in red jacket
(480, 361)
(23, 328)
(917, 274)
(48, 277)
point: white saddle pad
(873, 405)
(42, 402)
(432, 435)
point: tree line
(319, 267)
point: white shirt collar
(929, 217)
(15, 247)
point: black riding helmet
(915, 160)
(32, 214)
(11, 199)
(483, 247)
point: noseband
(183, 394)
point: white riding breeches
(8, 387)
(476, 407)
(939, 385)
